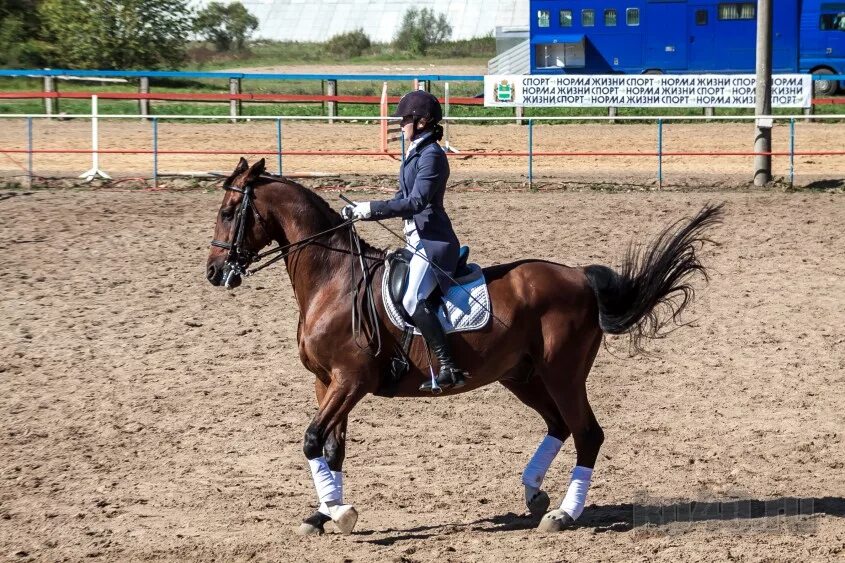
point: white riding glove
(357, 211)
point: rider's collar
(418, 141)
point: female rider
(428, 230)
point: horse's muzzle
(223, 275)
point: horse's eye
(227, 214)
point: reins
(239, 260)
(369, 302)
(441, 270)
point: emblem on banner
(504, 91)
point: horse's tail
(652, 288)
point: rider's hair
(435, 128)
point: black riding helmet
(419, 104)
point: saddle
(465, 307)
(399, 267)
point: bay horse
(551, 322)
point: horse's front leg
(325, 447)
(334, 451)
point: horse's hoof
(538, 504)
(313, 525)
(345, 517)
(306, 529)
(555, 521)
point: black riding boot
(425, 319)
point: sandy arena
(145, 414)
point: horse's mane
(331, 217)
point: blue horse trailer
(684, 36)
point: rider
(428, 230)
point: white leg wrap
(540, 462)
(576, 497)
(338, 482)
(327, 489)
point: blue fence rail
(36, 73)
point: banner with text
(649, 90)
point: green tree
(19, 26)
(226, 26)
(420, 30)
(116, 34)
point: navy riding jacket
(422, 185)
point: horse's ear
(255, 171)
(239, 169)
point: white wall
(318, 20)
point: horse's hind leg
(533, 393)
(566, 378)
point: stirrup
(456, 377)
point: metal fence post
(530, 154)
(234, 105)
(144, 103)
(279, 144)
(791, 151)
(659, 154)
(331, 90)
(51, 105)
(29, 150)
(155, 152)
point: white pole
(95, 134)
(95, 145)
(449, 147)
(446, 102)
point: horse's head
(240, 231)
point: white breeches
(421, 278)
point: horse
(550, 321)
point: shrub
(348, 45)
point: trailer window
(632, 16)
(738, 11)
(566, 18)
(701, 17)
(610, 17)
(560, 55)
(588, 18)
(542, 18)
(832, 22)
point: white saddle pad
(467, 304)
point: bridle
(239, 259)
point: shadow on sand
(754, 514)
